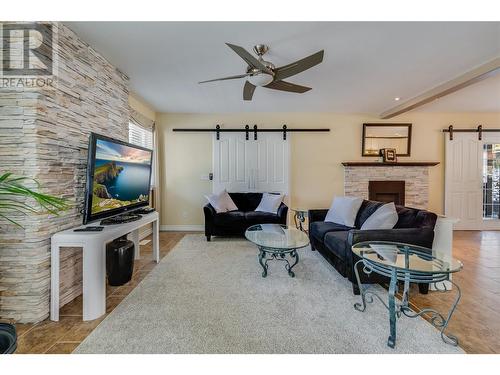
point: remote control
(89, 229)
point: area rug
(210, 297)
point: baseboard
(182, 228)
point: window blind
(140, 136)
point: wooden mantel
(398, 164)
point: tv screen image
(119, 176)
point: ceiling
(366, 64)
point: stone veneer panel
(44, 134)
(416, 182)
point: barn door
(472, 180)
(242, 165)
(231, 162)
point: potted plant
(15, 197)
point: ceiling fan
(264, 74)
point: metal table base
(396, 309)
(266, 254)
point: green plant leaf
(12, 187)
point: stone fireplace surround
(357, 176)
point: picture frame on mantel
(377, 136)
(389, 155)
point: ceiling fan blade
(248, 90)
(249, 58)
(225, 78)
(299, 65)
(287, 86)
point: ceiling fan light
(260, 79)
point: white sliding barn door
(270, 163)
(230, 162)
(241, 165)
(465, 165)
(463, 180)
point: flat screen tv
(118, 177)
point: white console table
(93, 246)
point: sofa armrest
(209, 210)
(414, 236)
(317, 215)
(282, 212)
(210, 213)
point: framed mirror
(377, 136)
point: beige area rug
(210, 297)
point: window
(491, 181)
(140, 136)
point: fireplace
(359, 174)
(387, 191)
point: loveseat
(334, 241)
(235, 223)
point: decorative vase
(120, 255)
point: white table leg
(94, 280)
(443, 242)
(156, 241)
(134, 237)
(54, 282)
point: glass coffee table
(408, 264)
(277, 242)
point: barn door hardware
(246, 129)
(479, 130)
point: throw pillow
(344, 210)
(270, 202)
(227, 202)
(385, 217)
(221, 202)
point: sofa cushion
(365, 211)
(228, 218)
(258, 217)
(407, 217)
(246, 201)
(344, 210)
(318, 229)
(426, 219)
(337, 243)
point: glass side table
(409, 264)
(299, 218)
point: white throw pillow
(227, 202)
(385, 217)
(221, 202)
(270, 203)
(344, 210)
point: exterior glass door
(491, 181)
